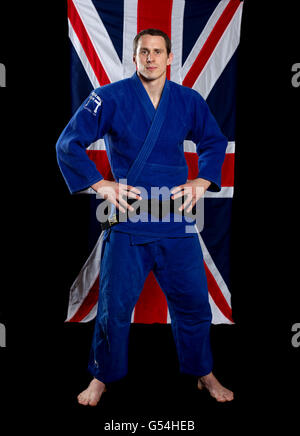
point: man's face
(151, 57)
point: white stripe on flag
(177, 39)
(132, 315)
(85, 279)
(82, 56)
(190, 147)
(168, 317)
(100, 39)
(226, 192)
(203, 37)
(214, 270)
(221, 55)
(129, 32)
(230, 147)
(97, 145)
(217, 316)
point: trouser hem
(103, 379)
(196, 373)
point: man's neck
(154, 88)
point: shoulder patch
(93, 103)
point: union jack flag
(205, 37)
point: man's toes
(220, 399)
(222, 396)
(218, 396)
(93, 402)
(94, 398)
(227, 396)
(200, 385)
(82, 398)
(84, 401)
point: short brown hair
(152, 32)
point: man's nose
(149, 57)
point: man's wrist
(203, 182)
(97, 185)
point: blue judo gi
(122, 114)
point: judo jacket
(121, 113)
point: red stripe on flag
(155, 14)
(88, 303)
(211, 43)
(227, 178)
(152, 304)
(145, 311)
(217, 295)
(227, 175)
(100, 159)
(87, 44)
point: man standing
(144, 121)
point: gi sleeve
(89, 123)
(210, 144)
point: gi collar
(144, 97)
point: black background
(43, 367)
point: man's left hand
(193, 189)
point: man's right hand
(114, 192)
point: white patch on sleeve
(93, 103)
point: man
(123, 113)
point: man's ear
(170, 58)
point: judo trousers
(177, 264)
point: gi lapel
(143, 96)
(157, 116)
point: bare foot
(215, 389)
(92, 395)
